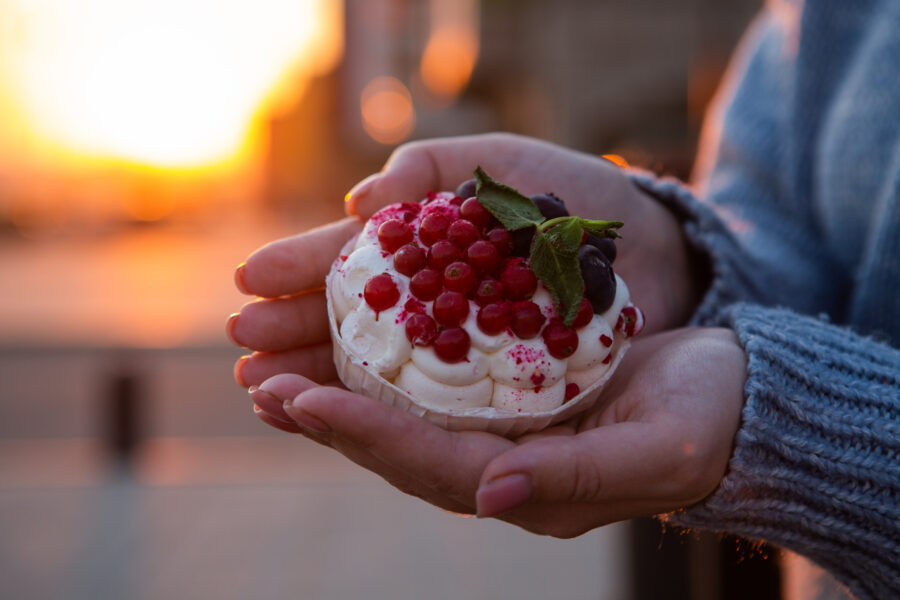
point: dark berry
(501, 239)
(426, 284)
(462, 233)
(599, 279)
(550, 206)
(493, 318)
(561, 341)
(522, 241)
(433, 228)
(518, 280)
(442, 253)
(452, 345)
(572, 390)
(394, 233)
(420, 329)
(606, 245)
(473, 211)
(483, 256)
(450, 309)
(460, 277)
(409, 259)
(467, 188)
(585, 313)
(526, 319)
(381, 292)
(488, 291)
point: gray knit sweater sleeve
(816, 467)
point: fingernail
(238, 375)
(229, 328)
(239, 278)
(269, 403)
(502, 494)
(305, 419)
(358, 191)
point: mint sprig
(554, 249)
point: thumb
(625, 460)
(416, 168)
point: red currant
(487, 292)
(526, 319)
(501, 239)
(518, 280)
(473, 211)
(394, 233)
(433, 228)
(493, 318)
(426, 284)
(459, 277)
(462, 233)
(483, 256)
(585, 313)
(441, 254)
(409, 259)
(381, 292)
(421, 329)
(452, 345)
(572, 390)
(561, 341)
(450, 309)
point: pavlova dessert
(481, 309)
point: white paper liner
(360, 379)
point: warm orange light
(173, 83)
(448, 60)
(387, 110)
(616, 160)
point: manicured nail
(305, 419)
(269, 403)
(239, 278)
(358, 191)
(502, 494)
(229, 328)
(238, 373)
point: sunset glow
(167, 83)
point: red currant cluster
(452, 261)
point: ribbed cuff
(816, 466)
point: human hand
(287, 328)
(659, 439)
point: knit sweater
(797, 205)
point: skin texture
(660, 438)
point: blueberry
(466, 189)
(550, 206)
(599, 279)
(522, 241)
(606, 245)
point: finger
(273, 422)
(313, 362)
(295, 264)
(432, 165)
(286, 386)
(623, 461)
(448, 463)
(281, 323)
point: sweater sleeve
(816, 466)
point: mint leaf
(511, 208)
(601, 228)
(554, 260)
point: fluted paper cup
(506, 422)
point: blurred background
(147, 147)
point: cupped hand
(660, 439)
(287, 327)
